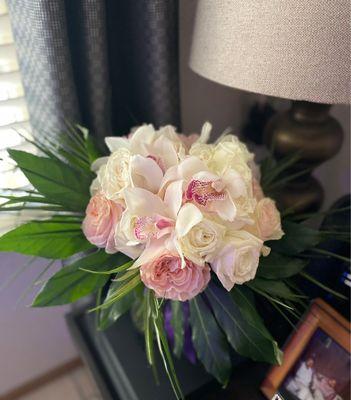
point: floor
(76, 385)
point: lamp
(299, 50)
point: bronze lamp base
(309, 129)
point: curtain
(107, 64)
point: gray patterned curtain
(108, 64)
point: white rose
(238, 260)
(116, 174)
(201, 242)
(235, 147)
(203, 151)
(231, 153)
(95, 186)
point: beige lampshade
(295, 49)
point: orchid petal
(145, 173)
(141, 138)
(234, 183)
(141, 202)
(173, 198)
(188, 216)
(152, 251)
(226, 208)
(205, 133)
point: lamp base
(309, 130)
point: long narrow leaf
(108, 316)
(297, 238)
(177, 322)
(149, 333)
(277, 266)
(165, 351)
(48, 239)
(55, 180)
(246, 339)
(209, 342)
(120, 293)
(324, 287)
(70, 283)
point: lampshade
(295, 49)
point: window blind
(14, 119)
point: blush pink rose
(268, 220)
(168, 280)
(102, 216)
(257, 190)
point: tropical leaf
(71, 283)
(108, 316)
(274, 288)
(123, 290)
(91, 150)
(149, 332)
(244, 337)
(177, 323)
(244, 299)
(209, 342)
(49, 239)
(55, 180)
(277, 266)
(164, 349)
(297, 238)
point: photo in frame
(316, 364)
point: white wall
(32, 340)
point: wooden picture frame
(320, 316)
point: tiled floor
(76, 385)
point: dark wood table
(118, 364)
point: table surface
(118, 364)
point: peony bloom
(99, 225)
(237, 261)
(169, 280)
(267, 221)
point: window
(14, 119)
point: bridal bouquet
(179, 229)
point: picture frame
(320, 319)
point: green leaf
(297, 239)
(245, 338)
(276, 266)
(273, 288)
(149, 332)
(110, 315)
(244, 300)
(71, 283)
(177, 323)
(122, 291)
(47, 239)
(165, 351)
(209, 342)
(55, 180)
